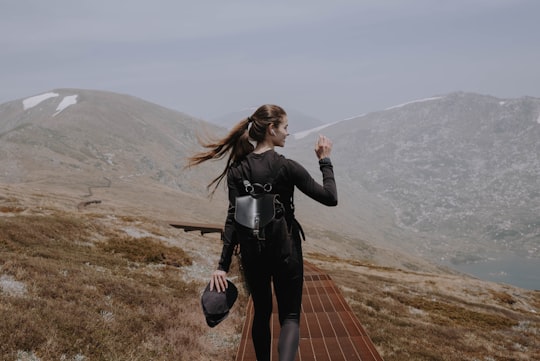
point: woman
(277, 258)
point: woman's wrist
(325, 160)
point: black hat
(216, 305)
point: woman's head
(268, 123)
(268, 120)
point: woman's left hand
(219, 281)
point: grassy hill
(105, 284)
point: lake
(507, 268)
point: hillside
(453, 178)
(107, 146)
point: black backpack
(256, 209)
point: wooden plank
(202, 227)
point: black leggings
(262, 267)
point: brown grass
(11, 205)
(414, 316)
(503, 297)
(94, 291)
(11, 209)
(85, 289)
(145, 250)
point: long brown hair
(237, 142)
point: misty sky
(328, 59)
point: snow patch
(35, 100)
(538, 120)
(66, 102)
(305, 133)
(356, 116)
(414, 101)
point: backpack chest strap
(256, 188)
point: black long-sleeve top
(285, 174)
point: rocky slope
(459, 173)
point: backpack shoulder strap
(267, 187)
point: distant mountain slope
(81, 129)
(461, 173)
(80, 138)
(66, 148)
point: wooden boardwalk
(328, 328)
(329, 331)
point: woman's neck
(263, 147)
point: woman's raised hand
(323, 147)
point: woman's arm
(229, 234)
(327, 193)
(219, 276)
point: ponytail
(237, 142)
